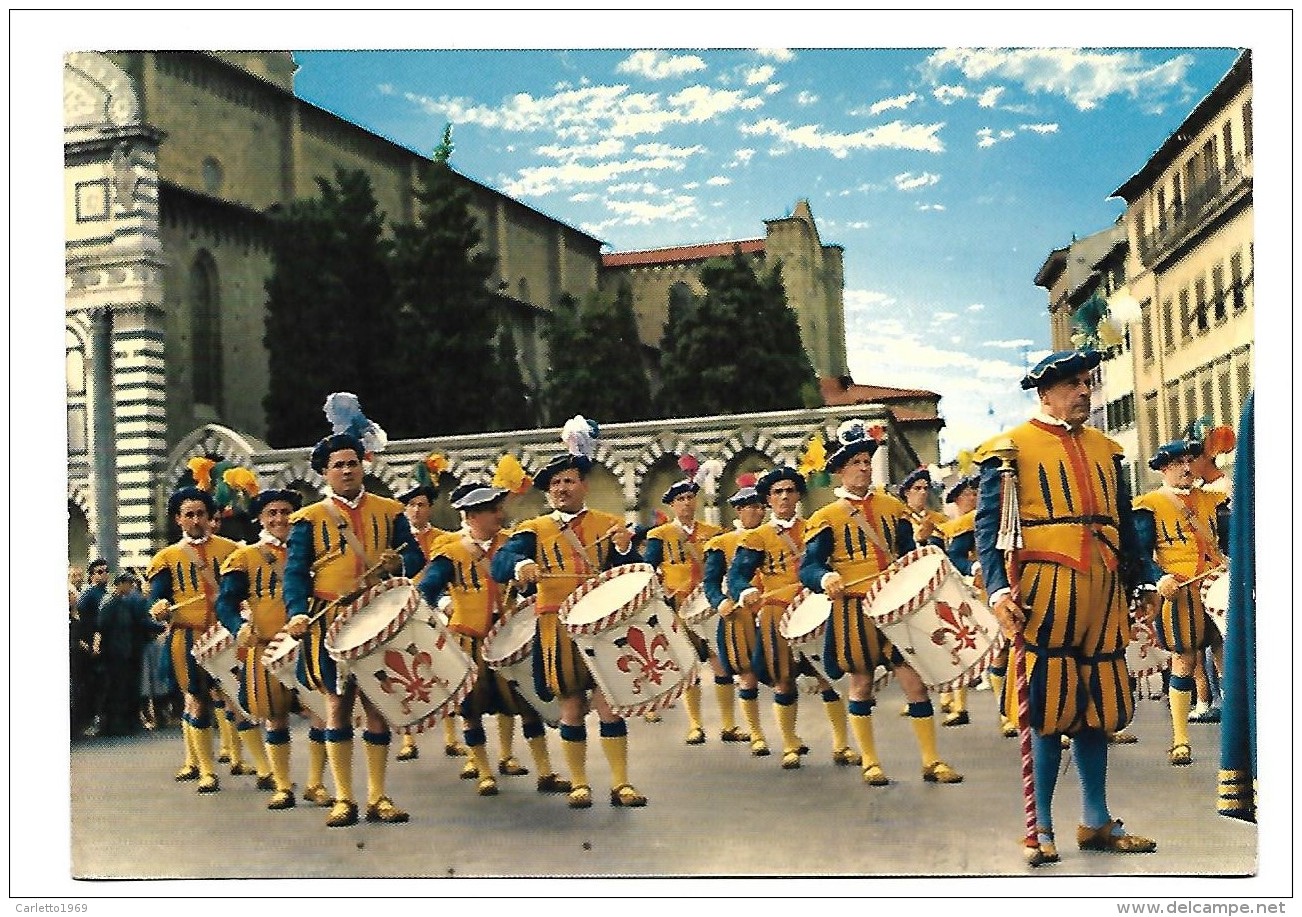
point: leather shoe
(384, 810)
(487, 786)
(266, 782)
(1047, 852)
(317, 795)
(960, 718)
(580, 797)
(1008, 729)
(189, 772)
(1105, 838)
(469, 771)
(759, 748)
(209, 784)
(1180, 755)
(940, 772)
(873, 775)
(454, 750)
(734, 734)
(844, 757)
(553, 783)
(408, 753)
(240, 769)
(626, 797)
(342, 814)
(696, 736)
(284, 799)
(790, 760)
(1122, 738)
(511, 767)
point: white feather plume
(580, 436)
(708, 473)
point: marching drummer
(1178, 541)
(675, 550)
(737, 636)
(331, 544)
(556, 552)
(848, 544)
(1063, 590)
(915, 490)
(459, 569)
(772, 552)
(959, 540)
(183, 586)
(255, 574)
(418, 503)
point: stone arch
(97, 93)
(211, 439)
(606, 488)
(653, 480)
(298, 471)
(758, 441)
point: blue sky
(948, 175)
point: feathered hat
(764, 483)
(1168, 452)
(1060, 365)
(699, 474)
(580, 438)
(853, 437)
(181, 494)
(1094, 327)
(476, 495)
(510, 476)
(1216, 440)
(962, 484)
(426, 473)
(813, 464)
(351, 428)
(746, 493)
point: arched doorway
(79, 537)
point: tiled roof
(838, 392)
(681, 253)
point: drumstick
(862, 579)
(1211, 572)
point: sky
(947, 175)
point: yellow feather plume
(241, 479)
(815, 457)
(966, 462)
(436, 463)
(509, 475)
(201, 469)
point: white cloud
(718, 180)
(948, 95)
(757, 75)
(774, 88)
(539, 180)
(863, 300)
(582, 197)
(977, 307)
(1017, 344)
(896, 135)
(925, 207)
(640, 213)
(1041, 128)
(990, 97)
(1081, 76)
(804, 97)
(781, 55)
(635, 187)
(743, 156)
(858, 224)
(900, 102)
(657, 65)
(987, 137)
(945, 316)
(387, 89)
(907, 181)
(600, 150)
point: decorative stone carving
(97, 93)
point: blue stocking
(1091, 749)
(1047, 756)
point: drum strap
(869, 532)
(275, 562)
(204, 568)
(790, 545)
(345, 530)
(1206, 543)
(478, 557)
(572, 538)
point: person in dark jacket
(124, 627)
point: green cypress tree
(597, 361)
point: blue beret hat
(259, 502)
(913, 477)
(190, 493)
(1173, 450)
(851, 439)
(474, 495)
(563, 462)
(678, 488)
(333, 443)
(1058, 366)
(779, 473)
(746, 496)
(428, 491)
(961, 485)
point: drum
(1143, 656)
(508, 651)
(699, 616)
(410, 667)
(215, 651)
(636, 647)
(1216, 599)
(804, 625)
(280, 659)
(936, 621)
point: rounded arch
(203, 306)
(211, 440)
(748, 438)
(381, 472)
(668, 444)
(297, 472)
(97, 93)
(605, 489)
(653, 481)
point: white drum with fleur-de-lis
(636, 648)
(216, 651)
(280, 658)
(937, 622)
(508, 651)
(409, 666)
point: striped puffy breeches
(771, 660)
(492, 693)
(737, 638)
(261, 693)
(1077, 628)
(317, 669)
(1182, 625)
(190, 677)
(558, 666)
(854, 644)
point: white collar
(783, 525)
(1052, 421)
(427, 527)
(482, 545)
(846, 495)
(351, 504)
(688, 529)
(565, 518)
(1182, 491)
(186, 539)
(268, 538)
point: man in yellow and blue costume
(848, 544)
(736, 634)
(1179, 541)
(1077, 531)
(556, 552)
(771, 554)
(957, 536)
(676, 550)
(183, 587)
(458, 576)
(331, 544)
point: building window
(1247, 128)
(1226, 413)
(205, 333)
(1168, 329)
(1236, 281)
(1200, 304)
(76, 430)
(1245, 386)
(1227, 141)
(1154, 425)
(1172, 411)
(1177, 199)
(1146, 326)
(1121, 413)
(75, 365)
(1186, 326)
(1218, 292)
(1190, 407)
(1161, 211)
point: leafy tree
(737, 349)
(514, 410)
(447, 313)
(330, 321)
(596, 367)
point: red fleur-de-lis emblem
(961, 628)
(409, 676)
(644, 661)
(1143, 636)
